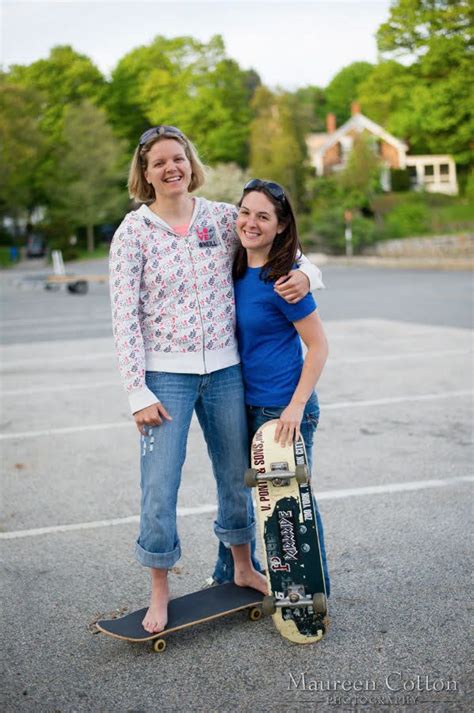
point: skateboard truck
(279, 475)
(296, 598)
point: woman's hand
(151, 416)
(292, 287)
(288, 427)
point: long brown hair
(286, 245)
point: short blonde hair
(139, 188)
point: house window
(429, 173)
(444, 172)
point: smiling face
(257, 225)
(168, 168)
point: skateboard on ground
(183, 612)
(287, 525)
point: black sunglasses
(273, 188)
(159, 131)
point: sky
(290, 43)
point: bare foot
(249, 577)
(156, 617)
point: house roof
(357, 122)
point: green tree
(90, 170)
(391, 97)
(415, 26)
(312, 108)
(22, 149)
(435, 92)
(343, 89)
(65, 77)
(186, 83)
(277, 150)
(360, 179)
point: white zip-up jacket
(172, 296)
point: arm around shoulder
(312, 272)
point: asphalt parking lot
(393, 475)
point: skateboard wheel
(255, 614)
(301, 473)
(159, 645)
(268, 605)
(319, 603)
(250, 478)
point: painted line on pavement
(55, 389)
(349, 360)
(38, 364)
(61, 328)
(204, 509)
(64, 319)
(67, 430)
(400, 356)
(395, 400)
(325, 407)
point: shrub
(399, 179)
(8, 256)
(406, 220)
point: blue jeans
(218, 399)
(256, 416)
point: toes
(153, 626)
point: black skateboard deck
(204, 605)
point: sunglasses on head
(273, 188)
(159, 131)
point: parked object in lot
(76, 284)
(35, 246)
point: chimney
(355, 108)
(330, 123)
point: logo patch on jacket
(207, 238)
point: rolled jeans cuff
(157, 560)
(235, 537)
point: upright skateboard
(183, 612)
(287, 524)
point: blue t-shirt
(269, 345)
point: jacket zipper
(199, 307)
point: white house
(329, 151)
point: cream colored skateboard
(287, 524)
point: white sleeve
(312, 271)
(125, 265)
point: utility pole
(348, 232)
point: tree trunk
(90, 239)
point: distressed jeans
(256, 416)
(218, 399)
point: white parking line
(343, 360)
(65, 387)
(396, 400)
(349, 360)
(400, 356)
(64, 319)
(208, 508)
(61, 328)
(325, 407)
(37, 363)
(65, 431)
